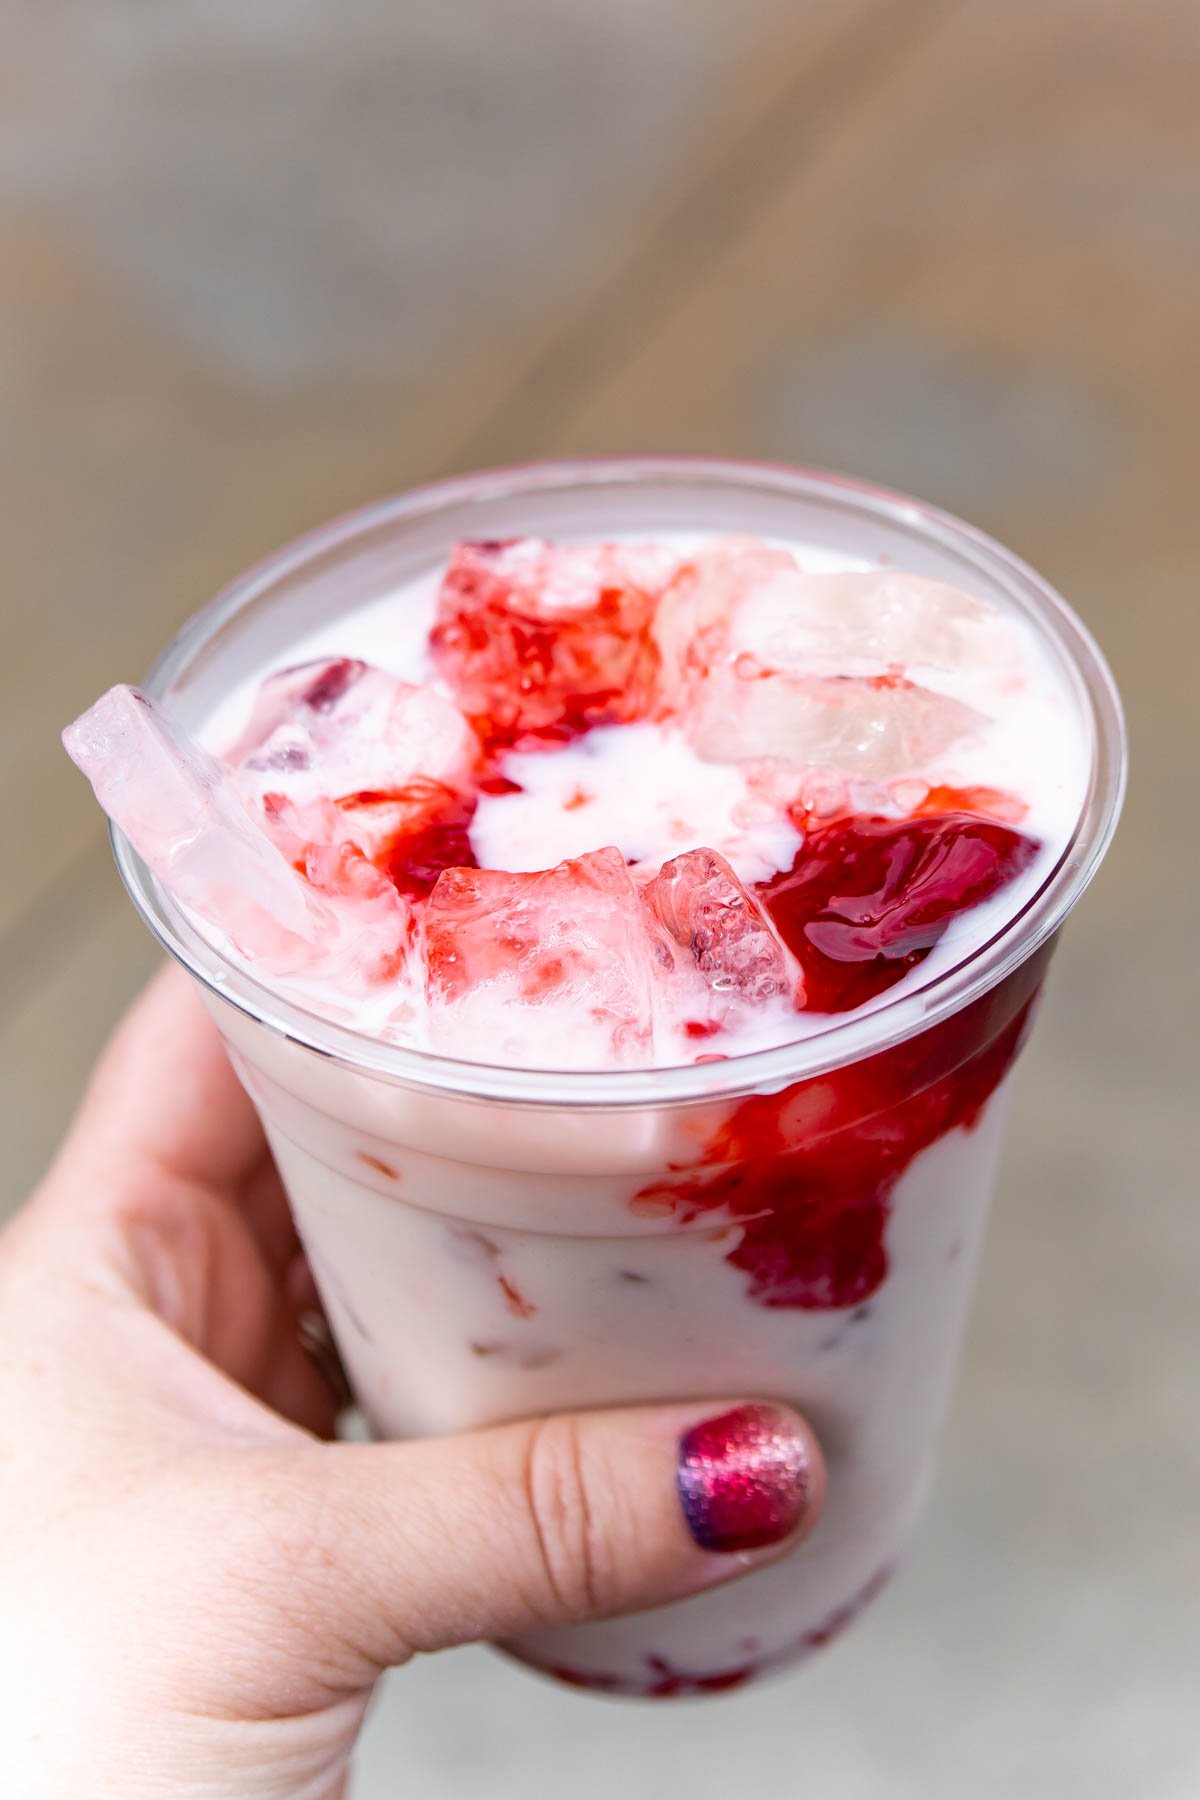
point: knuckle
(576, 1567)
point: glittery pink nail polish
(744, 1479)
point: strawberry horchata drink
(624, 889)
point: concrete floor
(257, 264)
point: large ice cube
(873, 727)
(318, 698)
(541, 641)
(763, 659)
(338, 726)
(701, 902)
(179, 809)
(865, 622)
(694, 618)
(563, 968)
(339, 753)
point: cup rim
(847, 1038)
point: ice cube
(408, 835)
(864, 622)
(763, 659)
(338, 726)
(340, 753)
(562, 968)
(314, 697)
(700, 901)
(180, 811)
(695, 614)
(868, 727)
(542, 641)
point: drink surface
(632, 803)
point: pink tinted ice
(878, 728)
(338, 753)
(339, 724)
(181, 813)
(764, 659)
(867, 622)
(700, 901)
(562, 968)
(542, 641)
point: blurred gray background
(261, 262)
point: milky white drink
(624, 889)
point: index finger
(164, 1095)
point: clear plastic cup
(799, 1223)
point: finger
(301, 1378)
(166, 1115)
(165, 1097)
(407, 1547)
(264, 1206)
(166, 1184)
(198, 1266)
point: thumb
(414, 1547)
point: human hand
(199, 1589)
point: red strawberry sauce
(812, 1170)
